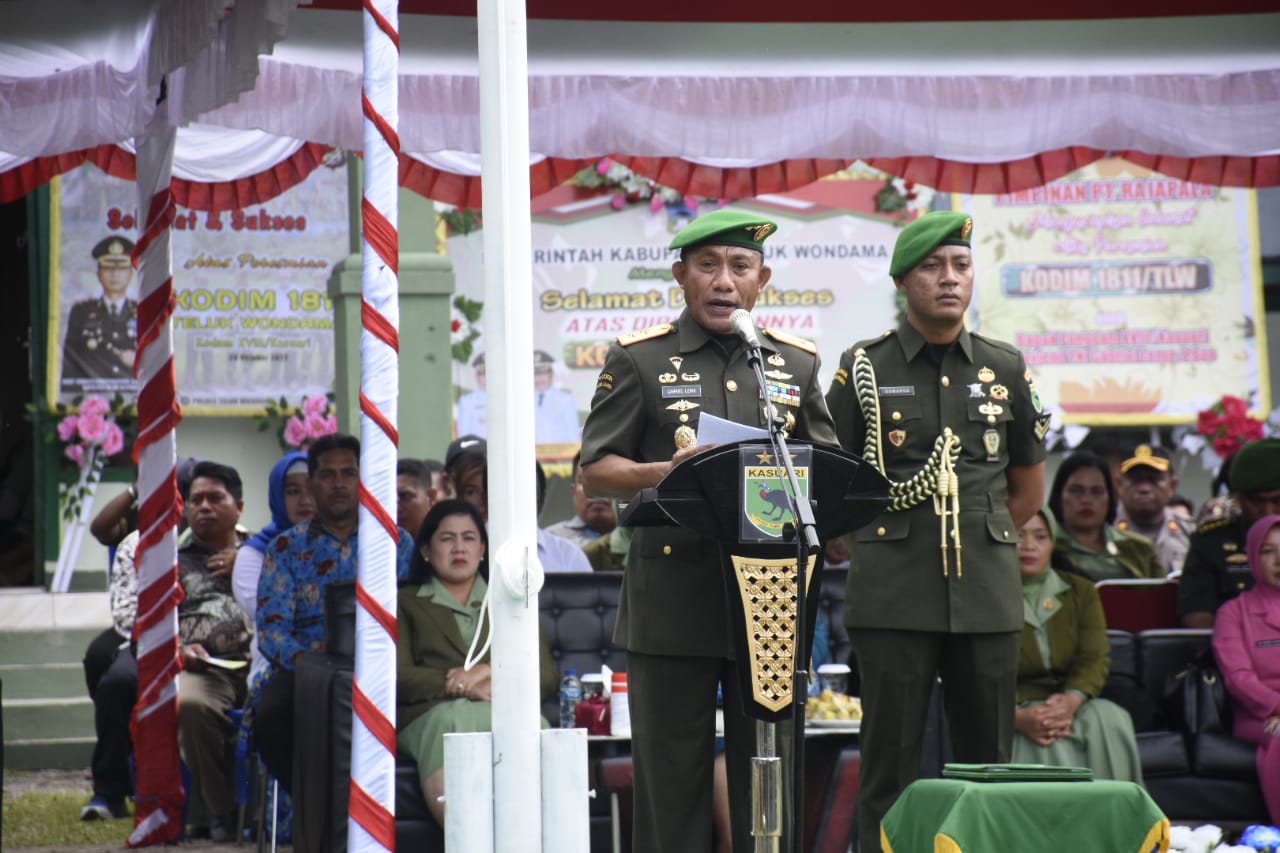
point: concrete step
(27, 719)
(71, 753)
(57, 645)
(43, 681)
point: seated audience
(437, 622)
(1182, 505)
(212, 630)
(464, 468)
(556, 554)
(1246, 642)
(417, 488)
(1083, 503)
(1063, 662)
(301, 562)
(592, 517)
(289, 496)
(1147, 484)
(1217, 565)
(609, 553)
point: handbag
(1195, 699)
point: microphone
(743, 326)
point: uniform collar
(913, 342)
(694, 337)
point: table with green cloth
(962, 816)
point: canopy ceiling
(752, 104)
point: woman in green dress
(438, 616)
(1063, 662)
(1082, 502)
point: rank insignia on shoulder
(645, 334)
(799, 343)
(842, 376)
(604, 382)
(1213, 524)
(1238, 559)
(1042, 427)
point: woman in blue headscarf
(289, 496)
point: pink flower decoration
(655, 203)
(75, 452)
(331, 424)
(67, 428)
(603, 167)
(95, 405)
(92, 428)
(618, 201)
(315, 405)
(113, 441)
(317, 426)
(295, 431)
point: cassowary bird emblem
(777, 499)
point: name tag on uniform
(897, 390)
(669, 391)
(1264, 643)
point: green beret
(1256, 467)
(725, 228)
(917, 240)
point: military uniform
(1172, 539)
(1217, 567)
(907, 597)
(97, 332)
(672, 618)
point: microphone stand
(768, 838)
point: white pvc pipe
(566, 820)
(515, 576)
(468, 793)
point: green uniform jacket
(429, 644)
(1134, 553)
(673, 600)
(982, 389)
(1217, 568)
(1078, 646)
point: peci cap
(113, 252)
(478, 363)
(725, 228)
(465, 444)
(934, 229)
(1256, 467)
(1147, 456)
(542, 360)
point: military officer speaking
(102, 332)
(954, 421)
(672, 620)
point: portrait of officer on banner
(101, 332)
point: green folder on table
(1016, 773)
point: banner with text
(600, 272)
(1136, 298)
(253, 322)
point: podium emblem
(766, 493)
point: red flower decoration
(1228, 426)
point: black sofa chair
(1194, 776)
(578, 612)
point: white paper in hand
(714, 430)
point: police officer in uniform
(555, 411)
(1217, 567)
(473, 406)
(102, 332)
(954, 421)
(1147, 482)
(672, 620)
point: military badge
(986, 374)
(975, 390)
(897, 437)
(777, 360)
(682, 406)
(1035, 397)
(789, 423)
(991, 409)
(676, 361)
(999, 392)
(690, 377)
(777, 374)
(685, 437)
(666, 378)
(783, 392)
(604, 382)
(991, 441)
(1238, 559)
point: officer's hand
(193, 658)
(685, 452)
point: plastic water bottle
(620, 706)
(570, 696)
